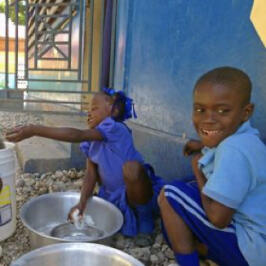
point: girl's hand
(78, 207)
(19, 133)
(192, 146)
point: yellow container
(8, 193)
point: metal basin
(81, 254)
(46, 219)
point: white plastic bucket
(8, 193)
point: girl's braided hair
(123, 106)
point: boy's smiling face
(218, 111)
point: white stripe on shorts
(178, 198)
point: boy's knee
(162, 200)
(132, 170)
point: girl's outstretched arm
(89, 182)
(57, 133)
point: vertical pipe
(70, 36)
(101, 43)
(16, 44)
(113, 39)
(26, 73)
(90, 43)
(36, 37)
(6, 46)
(80, 39)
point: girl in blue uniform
(112, 161)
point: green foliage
(12, 14)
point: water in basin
(68, 231)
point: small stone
(19, 197)
(120, 243)
(29, 182)
(160, 256)
(58, 174)
(154, 258)
(36, 175)
(65, 179)
(43, 176)
(26, 175)
(143, 240)
(140, 253)
(80, 174)
(59, 186)
(169, 253)
(43, 190)
(156, 245)
(64, 172)
(159, 239)
(26, 189)
(78, 184)
(72, 174)
(20, 183)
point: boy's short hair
(231, 77)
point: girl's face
(218, 111)
(100, 109)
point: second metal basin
(78, 254)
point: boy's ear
(248, 111)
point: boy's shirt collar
(247, 128)
(208, 153)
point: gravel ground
(151, 250)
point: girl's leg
(138, 183)
(139, 194)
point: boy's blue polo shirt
(236, 173)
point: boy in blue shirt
(225, 208)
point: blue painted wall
(162, 47)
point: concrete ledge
(44, 155)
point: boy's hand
(19, 133)
(194, 162)
(192, 146)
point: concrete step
(44, 155)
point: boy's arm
(56, 133)
(218, 214)
(88, 185)
(192, 146)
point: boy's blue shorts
(222, 243)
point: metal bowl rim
(8, 146)
(69, 193)
(80, 246)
